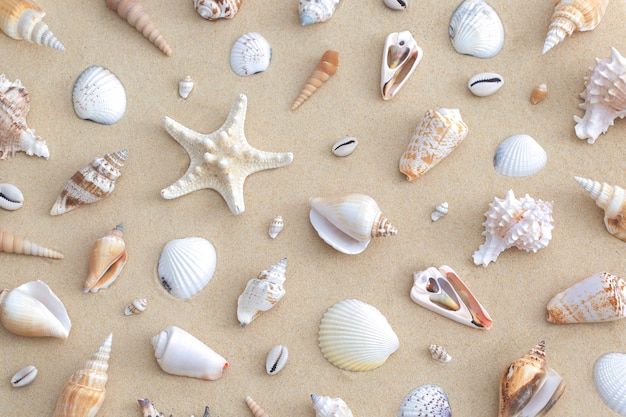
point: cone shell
(425, 401)
(179, 353)
(106, 260)
(84, 393)
(262, 293)
(316, 11)
(476, 30)
(251, 54)
(325, 68)
(519, 156)
(22, 20)
(355, 336)
(612, 199)
(32, 309)
(435, 137)
(98, 95)
(330, 407)
(10, 243)
(217, 9)
(91, 183)
(609, 376)
(539, 93)
(401, 56)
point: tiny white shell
(519, 156)
(609, 376)
(440, 211)
(251, 54)
(485, 84)
(11, 198)
(439, 353)
(99, 96)
(24, 376)
(276, 359)
(345, 146)
(137, 306)
(185, 86)
(396, 4)
(276, 226)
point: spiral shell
(255, 408)
(539, 93)
(316, 11)
(262, 293)
(137, 306)
(276, 226)
(325, 68)
(439, 353)
(476, 30)
(107, 258)
(612, 199)
(99, 96)
(10, 243)
(217, 9)
(185, 87)
(330, 407)
(21, 19)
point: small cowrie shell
(396, 4)
(276, 359)
(485, 84)
(439, 353)
(24, 376)
(11, 198)
(345, 146)
(138, 305)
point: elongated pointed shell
(401, 56)
(98, 95)
(612, 199)
(255, 408)
(330, 407)
(609, 376)
(179, 353)
(32, 309)
(106, 260)
(251, 54)
(316, 11)
(84, 393)
(22, 20)
(355, 336)
(325, 68)
(10, 243)
(476, 30)
(262, 293)
(217, 9)
(435, 137)
(425, 401)
(519, 156)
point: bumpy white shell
(425, 401)
(11, 198)
(251, 54)
(330, 407)
(519, 156)
(186, 266)
(354, 335)
(485, 84)
(476, 30)
(609, 376)
(401, 56)
(99, 96)
(316, 11)
(262, 293)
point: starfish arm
(192, 142)
(261, 160)
(236, 117)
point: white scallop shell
(609, 376)
(276, 359)
(355, 336)
(99, 96)
(519, 156)
(425, 401)
(396, 4)
(330, 407)
(251, 54)
(485, 84)
(186, 266)
(476, 30)
(11, 198)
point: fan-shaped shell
(355, 336)
(251, 54)
(425, 401)
(609, 376)
(476, 30)
(186, 266)
(519, 156)
(99, 96)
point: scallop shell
(179, 353)
(401, 56)
(609, 376)
(186, 266)
(22, 20)
(185, 87)
(425, 401)
(11, 198)
(440, 211)
(83, 394)
(99, 96)
(10, 243)
(519, 156)
(435, 137)
(276, 226)
(137, 306)
(325, 68)
(91, 183)
(539, 93)
(476, 30)
(439, 353)
(107, 258)
(348, 222)
(262, 293)
(256, 409)
(251, 54)
(601, 297)
(330, 407)
(355, 336)
(316, 11)
(345, 146)
(217, 9)
(24, 376)
(276, 359)
(612, 199)
(32, 309)
(396, 4)
(485, 84)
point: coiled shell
(107, 258)
(185, 87)
(276, 226)
(476, 30)
(217, 9)
(276, 359)
(401, 56)
(485, 84)
(22, 20)
(11, 198)
(99, 96)
(137, 306)
(255, 408)
(316, 11)
(612, 199)
(10, 243)
(262, 293)
(519, 156)
(439, 211)
(609, 376)
(24, 376)
(425, 401)
(571, 16)
(330, 407)
(439, 353)
(325, 68)
(251, 54)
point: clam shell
(11, 198)
(425, 401)
(476, 30)
(325, 406)
(519, 156)
(24, 376)
(485, 84)
(99, 96)
(186, 266)
(251, 54)
(609, 376)
(401, 56)
(356, 336)
(276, 359)
(262, 293)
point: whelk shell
(276, 359)
(217, 9)
(612, 199)
(401, 56)
(439, 211)
(425, 401)
(330, 407)
(519, 156)
(256, 409)
(251, 54)
(24, 376)
(21, 20)
(10, 243)
(137, 306)
(262, 293)
(609, 376)
(276, 226)
(107, 258)
(11, 198)
(316, 11)
(539, 93)
(185, 86)
(325, 68)
(439, 353)
(345, 146)
(476, 30)
(99, 96)
(485, 84)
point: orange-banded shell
(325, 68)
(106, 260)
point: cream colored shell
(262, 293)
(22, 19)
(610, 198)
(325, 406)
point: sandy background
(514, 290)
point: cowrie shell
(11, 198)
(396, 4)
(345, 146)
(276, 359)
(24, 376)
(485, 83)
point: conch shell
(612, 199)
(401, 57)
(316, 11)
(21, 19)
(325, 68)
(106, 260)
(10, 243)
(325, 406)
(217, 9)
(262, 293)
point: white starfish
(221, 160)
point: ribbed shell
(609, 376)
(262, 293)
(425, 401)
(22, 19)
(475, 29)
(355, 336)
(612, 199)
(99, 96)
(251, 54)
(186, 266)
(519, 156)
(325, 406)
(316, 11)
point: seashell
(180, 353)
(21, 20)
(15, 135)
(612, 199)
(435, 137)
(396, 4)
(355, 336)
(601, 297)
(325, 68)
(251, 54)
(137, 306)
(539, 93)
(345, 146)
(276, 226)
(528, 387)
(524, 223)
(91, 183)
(83, 394)
(316, 11)
(609, 376)
(349, 222)
(11, 198)
(24, 376)
(519, 156)
(440, 211)
(262, 293)
(571, 16)
(217, 9)
(186, 266)
(185, 86)
(32, 309)
(106, 260)
(256, 409)
(99, 96)
(330, 407)
(401, 56)
(425, 401)
(276, 359)
(485, 84)
(476, 30)
(442, 291)
(10, 243)
(439, 353)
(148, 409)
(604, 95)
(132, 11)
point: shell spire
(612, 199)
(21, 20)
(106, 260)
(326, 67)
(10, 243)
(256, 409)
(262, 293)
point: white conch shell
(475, 29)
(180, 353)
(262, 293)
(32, 309)
(11, 198)
(425, 401)
(137, 306)
(21, 19)
(355, 336)
(316, 11)
(276, 359)
(442, 291)
(276, 226)
(349, 222)
(99, 96)
(24, 376)
(330, 407)
(524, 223)
(601, 297)
(609, 376)
(401, 56)
(604, 95)
(612, 199)
(186, 266)
(217, 9)
(107, 258)
(185, 87)
(439, 353)
(251, 54)
(519, 156)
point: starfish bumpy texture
(221, 160)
